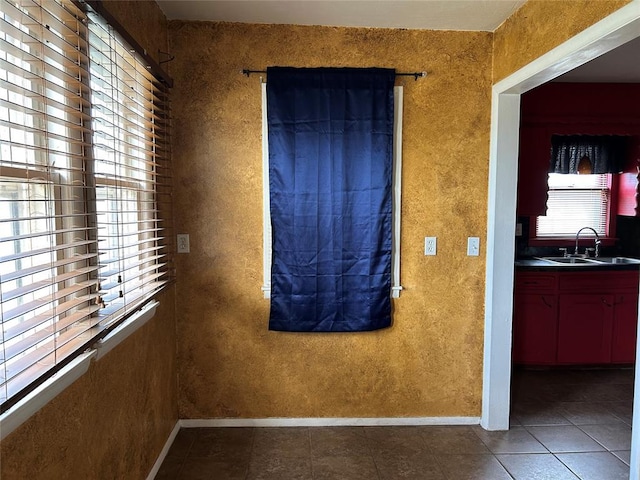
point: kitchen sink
(569, 260)
(591, 261)
(621, 260)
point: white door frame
(613, 31)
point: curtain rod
(415, 75)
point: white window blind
(127, 118)
(81, 163)
(575, 201)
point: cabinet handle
(544, 300)
(605, 302)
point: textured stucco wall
(429, 363)
(114, 420)
(145, 21)
(541, 25)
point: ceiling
(481, 15)
(621, 65)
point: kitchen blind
(82, 184)
(575, 201)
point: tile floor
(565, 425)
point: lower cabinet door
(535, 324)
(625, 320)
(585, 328)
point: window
(397, 194)
(576, 201)
(82, 165)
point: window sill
(114, 338)
(43, 394)
(21, 411)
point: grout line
(567, 466)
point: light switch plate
(473, 246)
(518, 229)
(430, 245)
(183, 243)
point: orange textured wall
(145, 21)
(541, 25)
(110, 423)
(429, 363)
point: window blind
(128, 123)
(83, 170)
(575, 201)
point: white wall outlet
(473, 246)
(429, 245)
(183, 243)
(518, 229)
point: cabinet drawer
(535, 282)
(598, 282)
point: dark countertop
(536, 265)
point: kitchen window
(576, 201)
(83, 187)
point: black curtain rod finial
(171, 57)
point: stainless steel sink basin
(569, 260)
(591, 261)
(616, 260)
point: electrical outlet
(429, 245)
(473, 246)
(518, 229)
(183, 243)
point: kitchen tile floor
(564, 425)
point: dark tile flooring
(564, 425)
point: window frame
(569, 240)
(148, 147)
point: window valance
(605, 153)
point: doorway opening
(613, 31)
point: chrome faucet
(597, 242)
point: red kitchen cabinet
(575, 318)
(535, 324)
(585, 328)
(625, 319)
(533, 169)
(535, 318)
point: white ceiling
(481, 15)
(619, 65)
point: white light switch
(473, 246)
(429, 245)
(183, 243)
(518, 229)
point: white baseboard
(165, 450)
(304, 422)
(327, 422)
